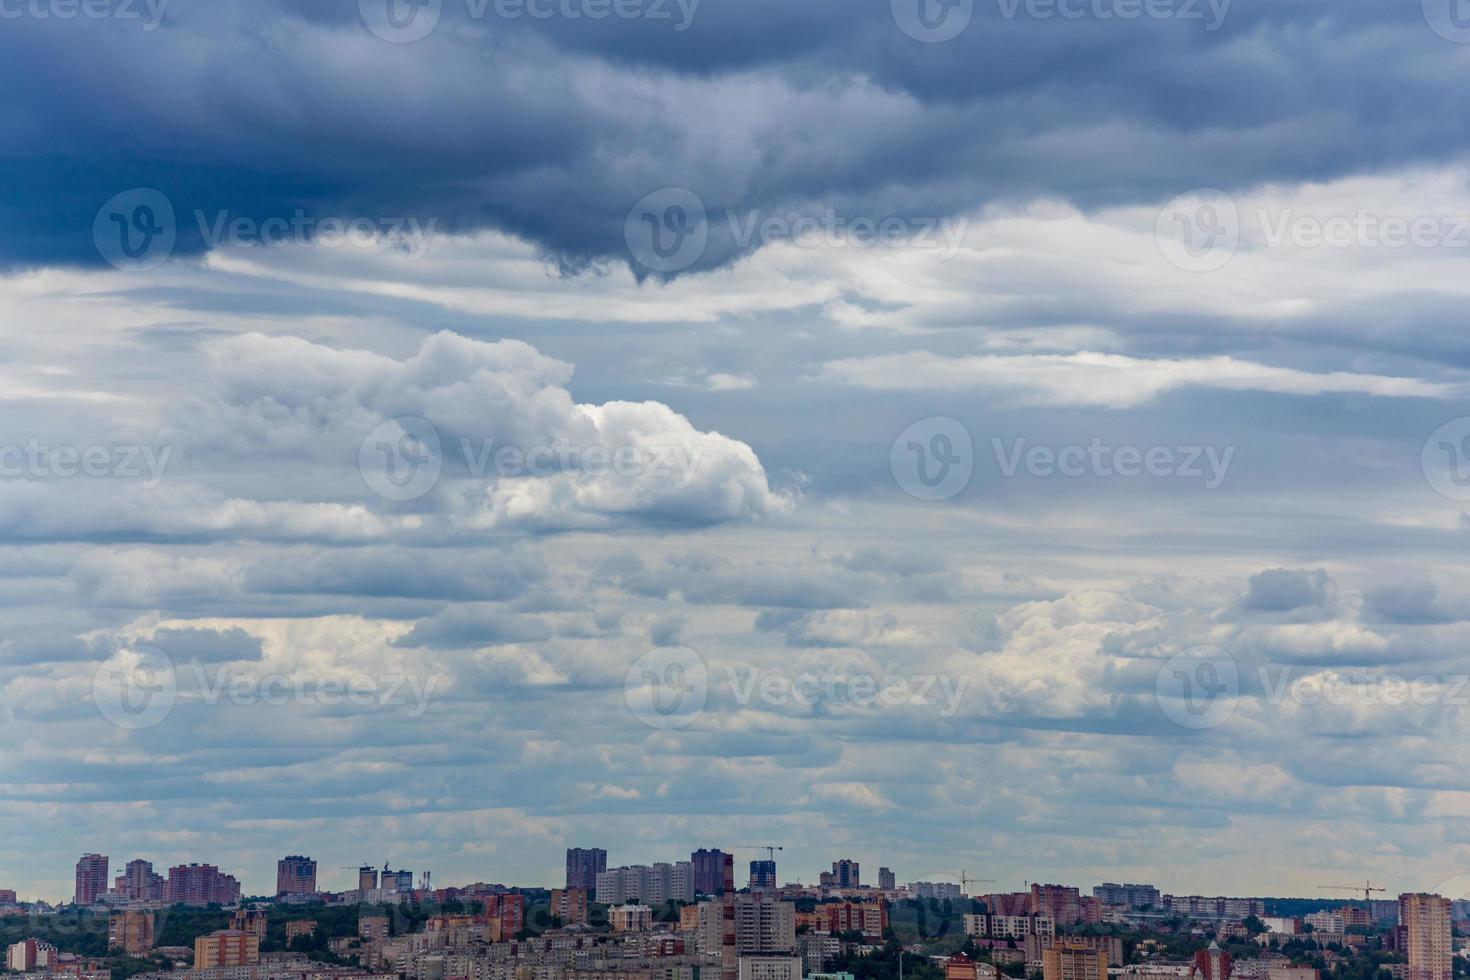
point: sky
(1019, 437)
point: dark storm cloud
(552, 129)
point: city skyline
(1020, 438)
(334, 879)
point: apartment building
(1425, 922)
(1065, 961)
(226, 947)
(130, 931)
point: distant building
(295, 875)
(584, 864)
(1127, 896)
(226, 947)
(91, 878)
(887, 881)
(709, 869)
(396, 881)
(959, 967)
(30, 954)
(763, 925)
(653, 884)
(868, 918)
(845, 874)
(762, 874)
(569, 905)
(130, 931)
(1211, 964)
(1065, 962)
(299, 927)
(630, 918)
(770, 968)
(508, 911)
(1428, 943)
(367, 879)
(372, 927)
(7, 896)
(201, 884)
(251, 921)
(940, 890)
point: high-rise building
(762, 874)
(1062, 903)
(295, 875)
(1063, 962)
(130, 931)
(7, 896)
(396, 881)
(201, 884)
(226, 947)
(887, 880)
(367, 879)
(569, 905)
(651, 883)
(139, 883)
(91, 878)
(763, 925)
(584, 864)
(508, 910)
(868, 918)
(845, 873)
(1425, 921)
(1127, 896)
(709, 866)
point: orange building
(227, 947)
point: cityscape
(735, 490)
(696, 919)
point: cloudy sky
(1025, 436)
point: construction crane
(1367, 888)
(966, 879)
(770, 849)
